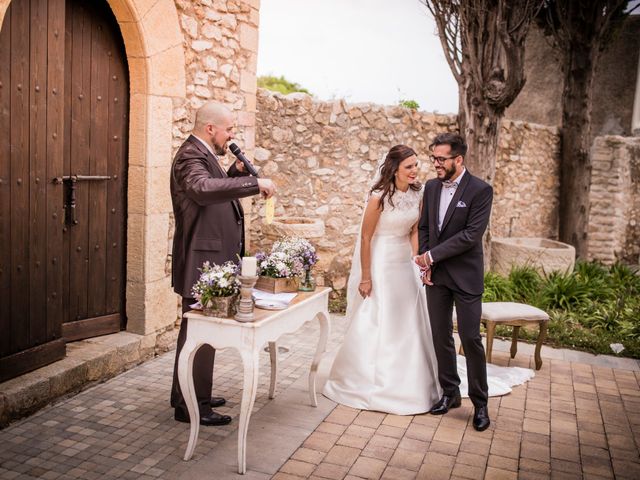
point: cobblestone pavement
(571, 421)
(124, 428)
(579, 418)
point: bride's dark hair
(386, 183)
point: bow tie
(450, 184)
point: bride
(387, 361)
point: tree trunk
(575, 162)
(479, 124)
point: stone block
(163, 17)
(136, 194)
(135, 248)
(158, 130)
(248, 37)
(160, 306)
(167, 340)
(132, 36)
(158, 191)
(100, 360)
(158, 246)
(25, 394)
(167, 77)
(65, 376)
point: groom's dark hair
(454, 140)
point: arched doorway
(64, 109)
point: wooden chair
(514, 315)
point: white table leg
(185, 380)
(251, 362)
(273, 354)
(325, 329)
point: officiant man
(209, 226)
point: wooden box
(277, 285)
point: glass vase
(307, 284)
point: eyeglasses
(440, 160)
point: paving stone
(493, 473)
(342, 455)
(308, 455)
(406, 459)
(331, 471)
(369, 468)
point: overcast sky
(361, 50)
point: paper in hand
(269, 210)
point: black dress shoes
(445, 403)
(481, 418)
(217, 402)
(209, 420)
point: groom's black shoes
(445, 403)
(212, 419)
(481, 418)
(217, 402)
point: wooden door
(31, 209)
(95, 155)
(63, 116)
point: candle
(249, 266)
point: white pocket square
(461, 204)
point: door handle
(70, 195)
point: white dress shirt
(446, 194)
(206, 145)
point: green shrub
(279, 84)
(563, 291)
(525, 283)
(412, 104)
(589, 308)
(497, 288)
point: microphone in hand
(245, 161)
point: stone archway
(155, 54)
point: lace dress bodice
(398, 219)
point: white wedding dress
(387, 362)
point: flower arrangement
(299, 248)
(216, 281)
(290, 258)
(278, 265)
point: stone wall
(221, 55)
(614, 224)
(540, 101)
(323, 156)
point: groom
(456, 212)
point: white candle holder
(245, 306)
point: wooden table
(248, 339)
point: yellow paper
(269, 210)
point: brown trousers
(202, 369)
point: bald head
(213, 113)
(214, 124)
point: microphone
(240, 156)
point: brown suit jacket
(209, 218)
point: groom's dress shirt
(446, 194)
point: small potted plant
(278, 272)
(217, 289)
(302, 250)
